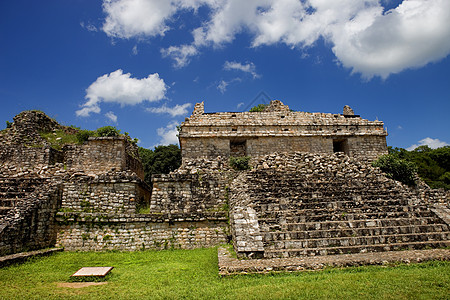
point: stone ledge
(229, 265)
(20, 257)
(130, 218)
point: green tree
(161, 160)
(432, 164)
(396, 168)
(258, 108)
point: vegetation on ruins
(161, 160)
(192, 274)
(397, 169)
(258, 108)
(433, 165)
(240, 163)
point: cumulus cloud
(177, 110)
(122, 89)
(432, 143)
(363, 35)
(181, 55)
(223, 85)
(168, 134)
(111, 116)
(246, 68)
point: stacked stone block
(311, 204)
(28, 207)
(277, 129)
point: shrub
(108, 131)
(397, 169)
(258, 108)
(8, 124)
(240, 163)
(83, 135)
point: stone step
(355, 249)
(4, 210)
(354, 232)
(357, 240)
(13, 195)
(299, 205)
(341, 216)
(15, 188)
(337, 225)
(10, 202)
(338, 211)
(311, 199)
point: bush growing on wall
(240, 163)
(108, 131)
(397, 169)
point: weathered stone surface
(232, 266)
(277, 129)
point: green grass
(182, 274)
(59, 138)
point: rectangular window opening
(238, 148)
(340, 145)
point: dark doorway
(340, 145)
(238, 148)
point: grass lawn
(192, 274)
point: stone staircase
(14, 190)
(324, 214)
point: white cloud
(364, 37)
(432, 143)
(247, 68)
(223, 85)
(168, 134)
(240, 104)
(131, 18)
(121, 88)
(135, 50)
(89, 27)
(181, 55)
(111, 116)
(177, 110)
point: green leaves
(397, 169)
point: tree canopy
(433, 165)
(161, 160)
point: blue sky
(142, 65)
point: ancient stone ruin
(278, 129)
(310, 191)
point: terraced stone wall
(30, 222)
(103, 154)
(114, 212)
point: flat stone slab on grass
(229, 265)
(92, 271)
(78, 285)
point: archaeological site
(309, 191)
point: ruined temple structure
(278, 129)
(310, 189)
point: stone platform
(228, 265)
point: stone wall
(22, 146)
(277, 129)
(320, 204)
(102, 154)
(190, 194)
(30, 224)
(111, 193)
(114, 212)
(140, 232)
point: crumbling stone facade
(92, 197)
(278, 129)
